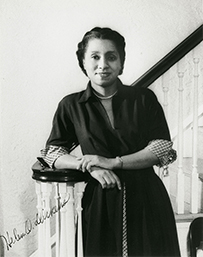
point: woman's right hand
(107, 178)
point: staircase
(180, 91)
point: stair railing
(152, 75)
(170, 59)
(187, 72)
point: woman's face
(102, 62)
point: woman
(122, 132)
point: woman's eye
(112, 58)
(95, 57)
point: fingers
(107, 178)
(84, 164)
(109, 181)
(102, 181)
(89, 166)
(118, 182)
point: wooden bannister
(44, 174)
(69, 186)
(170, 59)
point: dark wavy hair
(101, 33)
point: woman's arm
(67, 161)
(59, 157)
(139, 160)
(107, 178)
(157, 152)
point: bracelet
(120, 160)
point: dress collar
(88, 93)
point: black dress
(147, 212)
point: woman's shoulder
(147, 92)
(139, 91)
(71, 98)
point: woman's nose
(102, 63)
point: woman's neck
(105, 91)
(109, 97)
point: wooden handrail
(170, 59)
(44, 174)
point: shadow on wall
(2, 248)
(24, 233)
(28, 203)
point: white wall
(39, 67)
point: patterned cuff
(163, 150)
(51, 153)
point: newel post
(68, 187)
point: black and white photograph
(101, 128)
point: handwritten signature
(40, 218)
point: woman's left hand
(86, 162)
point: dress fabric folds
(138, 119)
(151, 227)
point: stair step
(187, 217)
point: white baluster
(40, 226)
(70, 217)
(165, 88)
(180, 175)
(194, 176)
(80, 190)
(65, 220)
(58, 219)
(65, 212)
(63, 226)
(46, 189)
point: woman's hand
(86, 162)
(107, 178)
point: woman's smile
(104, 75)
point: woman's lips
(103, 74)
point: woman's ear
(83, 62)
(83, 68)
(121, 70)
